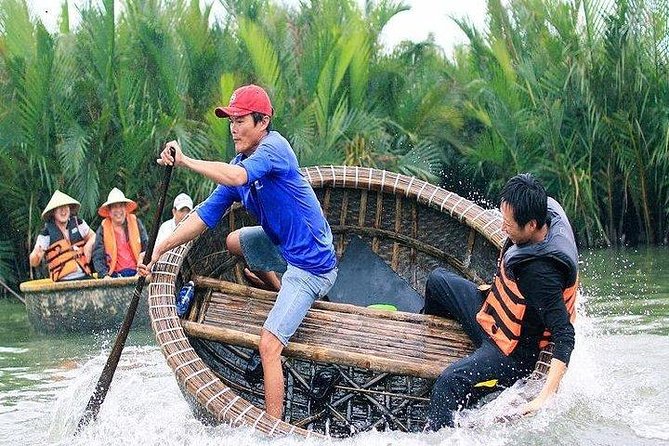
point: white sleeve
(163, 232)
(43, 241)
(84, 229)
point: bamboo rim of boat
(195, 376)
(39, 285)
(488, 222)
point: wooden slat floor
(383, 341)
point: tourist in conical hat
(121, 237)
(66, 240)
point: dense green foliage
(576, 92)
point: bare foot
(254, 279)
(266, 280)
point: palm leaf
(263, 56)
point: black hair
(527, 197)
(257, 117)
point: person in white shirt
(183, 204)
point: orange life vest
(504, 308)
(110, 239)
(61, 256)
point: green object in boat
(386, 307)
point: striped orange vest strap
(502, 313)
(504, 308)
(61, 257)
(110, 239)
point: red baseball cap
(246, 100)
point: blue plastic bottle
(185, 298)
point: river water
(616, 391)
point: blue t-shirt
(284, 203)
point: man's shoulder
(167, 223)
(134, 217)
(543, 263)
(76, 220)
(540, 268)
(275, 140)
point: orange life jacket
(110, 239)
(503, 310)
(61, 256)
(502, 313)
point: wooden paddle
(107, 375)
(12, 292)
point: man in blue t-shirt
(293, 238)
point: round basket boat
(348, 368)
(81, 306)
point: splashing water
(615, 391)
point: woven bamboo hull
(383, 382)
(362, 400)
(81, 306)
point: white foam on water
(615, 392)
(145, 406)
(14, 350)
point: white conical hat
(116, 196)
(59, 199)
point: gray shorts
(259, 251)
(299, 288)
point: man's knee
(233, 243)
(437, 301)
(270, 346)
(439, 277)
